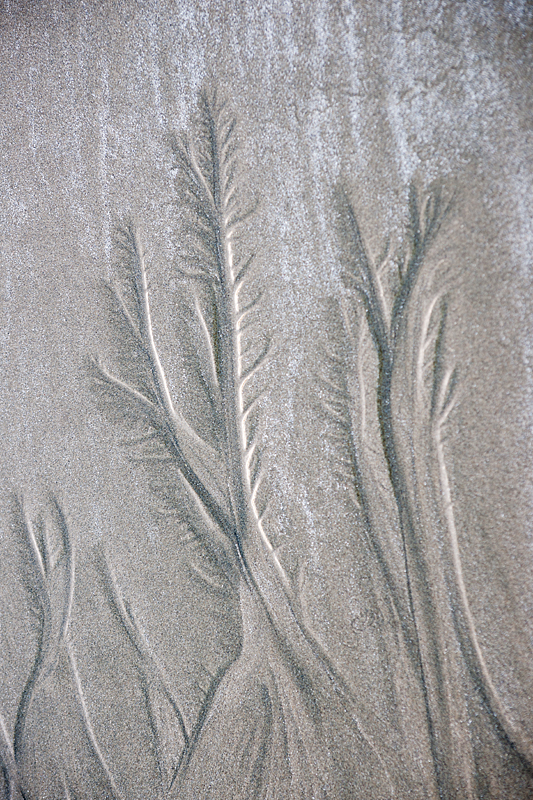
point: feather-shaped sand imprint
(281, 722)
(415, 394)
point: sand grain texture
(289, 559)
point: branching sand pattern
(281, 721)
(283, 699)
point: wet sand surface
(265, 321)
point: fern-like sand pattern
(281, 722)
(224, 484)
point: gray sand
(358, 623)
